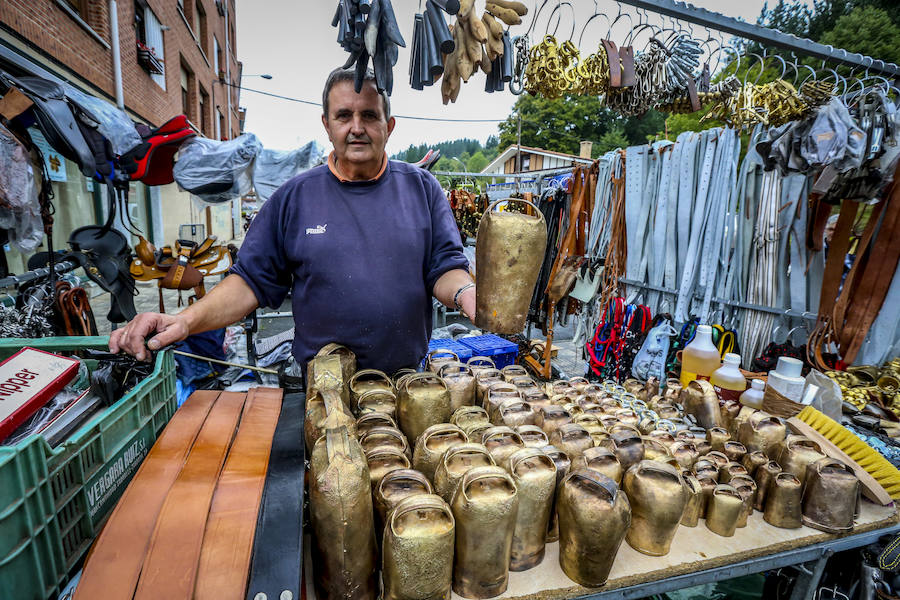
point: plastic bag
(650, 360)
(828, 400)
(20, 210)
(217, 171)
(275, 167)
(112, 122)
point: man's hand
(467, 302)
(130, 339)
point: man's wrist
(459, 294)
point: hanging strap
(231, 526)
(170, 567)
(114, 563)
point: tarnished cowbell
(603, 461)
(746, 487)
(563, 465)
(754, 460)
(424, 401)
(384, 459)
(330, 368)
(573, 439)
(515, 412)
(626, 443)
(484, 379)
(510, 372)
(369, 421)
(417, 560)
(365, 380)
(501, 441)
(325, 410)
(694, 508)
(342, 518)
(707, 487)
(699, 399)
(783, 501)
(534, 474)
(525, 383)
(509, 252)
(797, 453)
(735, 451)
(377, 437)
(378, 401)
(654, 449)
(480, 363)
(830, 496)
(464, 416)
(455, 462)
(497, 394)
(431, 445)
(724, 510)
(657, 496)
(394, 487)
(550, 418)
(594, 516)
(460, 382)
(532, 436)
(762, 432)
(764, 476)
(485, 506)
(437, 358)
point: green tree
(867, 30)
(612, 139)
(478, 162)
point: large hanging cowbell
(342, 518)
(485, 507)
(424, 401)
(593, 519)
(830, 496)
(460, 382)
(534, 474)
(510, 251)
(455, 462)
(658, 498)
(432, 444)
(417, 559)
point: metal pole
(518, 148)
(764, 35)
(116, 54)
(228, 67)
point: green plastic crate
(53, 501)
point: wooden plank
(693, 549)
(870, 486)
(554, 349)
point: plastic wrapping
(275, 167)
(20, 210)
(112, 122)
(828, 400)
(217, 171)
(834, 138)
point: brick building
(176, 57)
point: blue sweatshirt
(361, 259)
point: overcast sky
(293, 41)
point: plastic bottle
(699, 358)
(727, 380)
(753, 397)
(787, 378)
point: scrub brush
(879, 479)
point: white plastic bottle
(753, 397)
(727, 380)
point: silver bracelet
(457, 294)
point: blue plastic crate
(463, 352)
(503, 352)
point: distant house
(535, 159)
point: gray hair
(341, 74)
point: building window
(526, 162)
(150, 47)
(218, 62)
(187, 93)
(204, 109)
(223, 134)
(200, 29)
(80, 7)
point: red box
(28, 380)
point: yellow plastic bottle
(699, 358)
(727, 380)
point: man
(362, 242)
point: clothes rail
(767, 309)
(764, 35)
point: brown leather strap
(228, 542)
(170, 567)
(615, 68)
(692, 95)
(114, 564)
(626, 54)
(818, 218)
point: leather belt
(278, 545)
(115, 561)
(178, 537)
(225, 556)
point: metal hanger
(556, 11)
(596, 14)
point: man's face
(829, 232)
(356, 125)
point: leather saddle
(181, 267)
